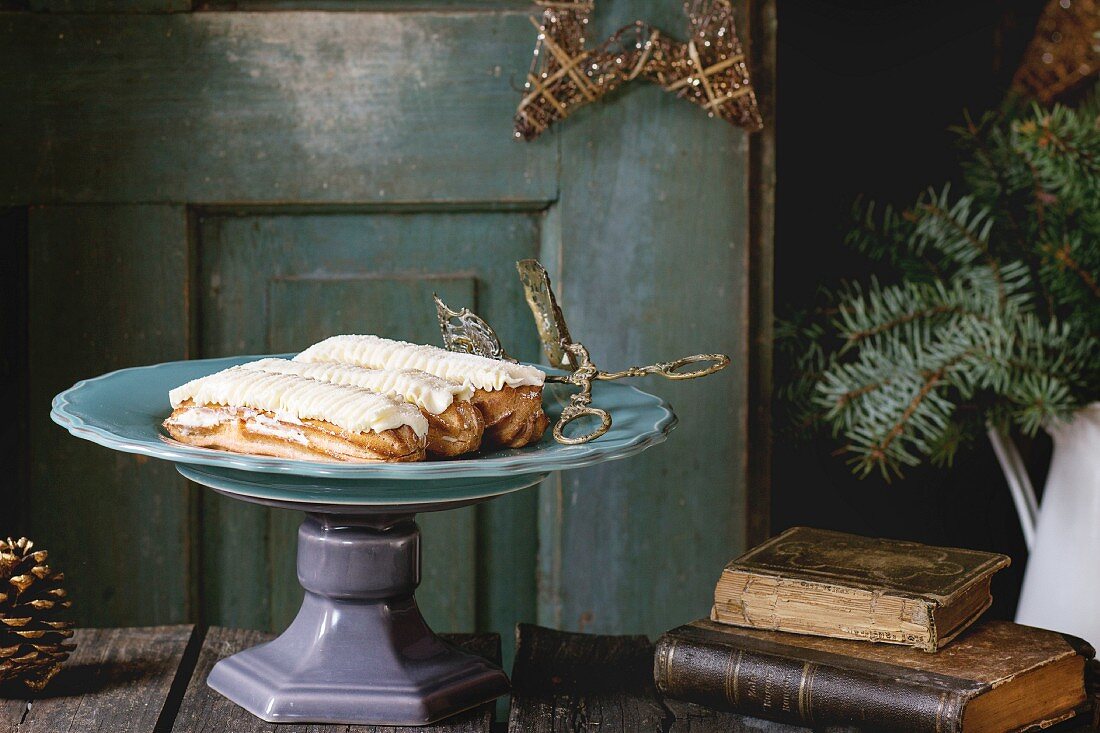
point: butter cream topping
(374, 352)
(289, 395)
(424, 390)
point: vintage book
(814, 581)
(997, 677)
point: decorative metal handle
(578, 408)
(465, 331)
(669, 369)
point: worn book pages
(827, 583)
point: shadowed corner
(83, 679)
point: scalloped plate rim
(580, 456)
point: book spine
(800, 692)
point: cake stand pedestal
(358, 652)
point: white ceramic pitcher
(1061, 588)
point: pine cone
(32, 639)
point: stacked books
(823, 628)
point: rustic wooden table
(154, 680)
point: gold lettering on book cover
(789, 689)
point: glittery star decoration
(1063, 53)
(708, 70)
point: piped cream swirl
(351, 408)
(373, 352)
(428, 392)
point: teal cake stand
(358, 652)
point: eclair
(288, 416)
(508, 395)
(455, 426)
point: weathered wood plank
(266, 107)
(563, 681)
(691, 718)
(653, 265)
(569, 682)
(275, 281)
(204, 710)
(117, 681)
(107, 289)
(110, 6)
(12, 708)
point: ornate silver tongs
(465, 331)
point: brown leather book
(997, 677)
(815, 581)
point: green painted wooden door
(187, 182)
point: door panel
(306, 309)
(266, 107)
(275, 282)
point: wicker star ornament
(33, 640)
(1064, 54)
(708, 69)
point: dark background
(866, 92)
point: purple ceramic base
(359, 652)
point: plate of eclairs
(363, 399)
(366, 399)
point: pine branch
(995, 170)
(1063, 149)
(1063, 257)
(976, 242)
(901, 320)
(916, 368)
(879, 453)
(845, 399)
